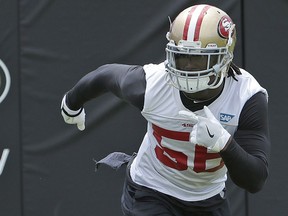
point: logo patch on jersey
(225, 117)
(187, 125)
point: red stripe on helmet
(187, 23)
(199, 23)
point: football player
(205, 116)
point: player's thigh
(144, 203)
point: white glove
(72, 116)
(207, 131)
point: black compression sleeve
(125, 81)
(246, 157)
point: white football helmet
(200, 48)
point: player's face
(194, 62)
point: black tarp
(10, 105)
(48, 45)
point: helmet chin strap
(207, 95)
(219, 82)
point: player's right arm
(125, 81)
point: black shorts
(137, 200)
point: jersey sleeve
(125, 81)
(246, 157)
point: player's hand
(72, 116)
(207, 131)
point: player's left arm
(247, 155)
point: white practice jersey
(166, 160)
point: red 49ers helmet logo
(224, 25)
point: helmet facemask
(205, 67)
